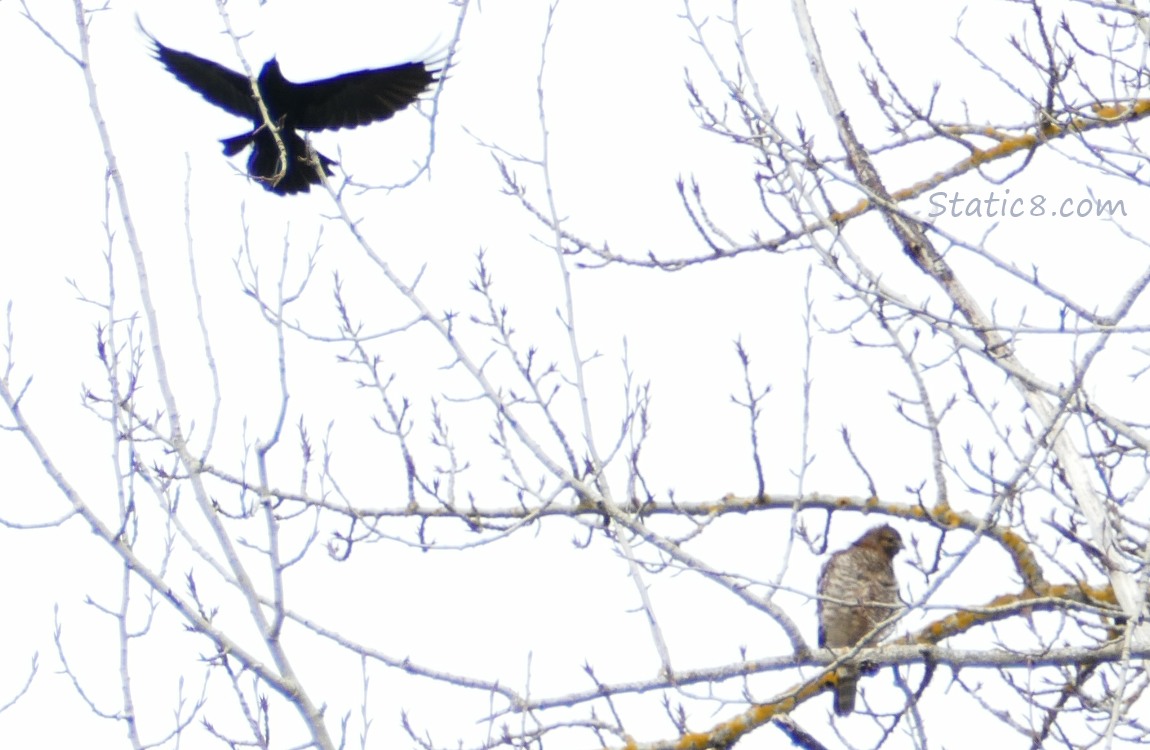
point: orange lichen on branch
(1007, 605)
(726, 733)
(946, 517)
(858, 209)
(959, 622)
(1105, 116)
(1109, 111)
(942, 516)
(1005, 148)
(985, 130)
(1084, 593)
(1024, 560)
(695, 741)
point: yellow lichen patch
(1108, 111)
(1006, 147)
(728, 732)
(780, 707)
(1107, 116)
(1010, 605)
(1012, 540)
(1024, 560)
(694, 741)
(762, 713)
(738, 724)
(964, 620)
(920, 187)
(838, 217)
(1105, 113)
(1082, 591)
(953, 624)
(943, 514)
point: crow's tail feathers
(236, 144)
(266, 166)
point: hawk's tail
(845, 689)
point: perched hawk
(857, 591)
(346, 101)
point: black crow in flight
(346, 101)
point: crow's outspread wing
(281, 160)
(354, 99)
(222, 87)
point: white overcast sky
(621, 134)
